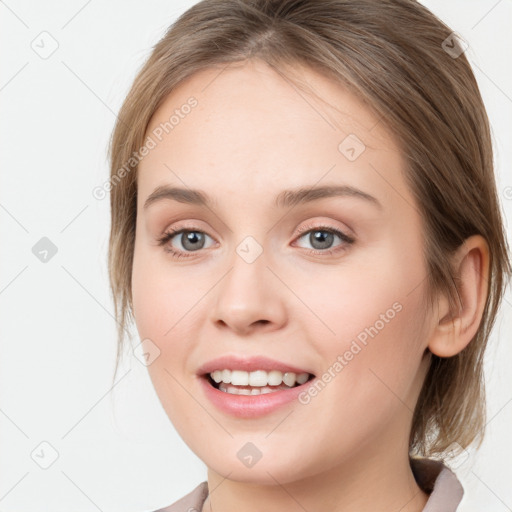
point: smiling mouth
(255, 383)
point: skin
(252, 135)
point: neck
(355, 486)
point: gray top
(432, 476)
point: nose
(249, 297)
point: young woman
(306, 233)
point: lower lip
(251, 406)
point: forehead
(253, 130)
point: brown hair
(393, 55)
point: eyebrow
(285, 199)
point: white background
(117, 451)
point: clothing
(432, 476)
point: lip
(248, 364)
(249, 406)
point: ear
(455, 329)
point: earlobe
(455, 329)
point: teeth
(258, 378)
(239, 378)
(289, 378)
(226, 376)
(233, 390)
(275, 377)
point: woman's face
(328, 284)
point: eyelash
(171, 233)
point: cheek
(372, 293)
(165, 311)
(159, 297)
(375, 314)
(369, 379)
(148, 304)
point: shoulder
(440, 482)
(192, 502)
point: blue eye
(323, 236)
(193, 240)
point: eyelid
(325, 226)
(172, 232)
(346, 240)
(300, 230)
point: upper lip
(248, 364)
